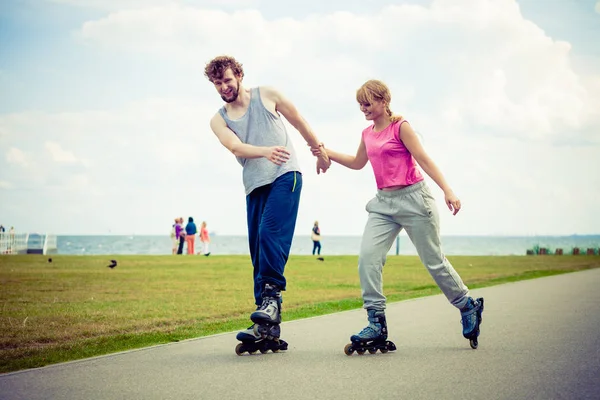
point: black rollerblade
(471, 319)
(251, 342)
(371, 338)
(265, 334)
(268, 314)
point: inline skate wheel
(372, 351)
(239, 349)
(263, 351)
(384, 350)
(360, 352)
(473, 343)
(348, 349)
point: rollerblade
(264, 334)
(371, 338)
(471, 319)
(268, 314)
(252, 342)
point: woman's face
(372, 110)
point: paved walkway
(540, 340)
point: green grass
(76, 307)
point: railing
(24, 243)
(50, 244)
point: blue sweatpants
(272, 210)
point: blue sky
(104, 109)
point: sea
(331, 245)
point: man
(250, 126)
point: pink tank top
(392, 163)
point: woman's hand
(452, 202)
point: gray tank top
(259, 127)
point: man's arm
(291, 114)
(275, 154)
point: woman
(190, 235)
(403, 201)
(316, 238)
(174, 237)
(205, 239)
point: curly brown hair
(218, 65)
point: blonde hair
(375, 90)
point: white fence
(24, 243)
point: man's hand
(277, 154)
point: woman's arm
(357, 161)
(412, 143)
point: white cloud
(140, 4)
(17, 157)
(488, 65)
(59, 154)
(5, 185)
(597, 8)
(499, 106)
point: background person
(180, 234)
(190, 235)
(174, 237)
(205, 239)
(316, 238)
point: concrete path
(540, 340)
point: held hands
(316, 151)
(323, 161)
(277, 154)
(452, 202)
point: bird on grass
(113, 263)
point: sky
(104, 109)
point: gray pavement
(540, 340)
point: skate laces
(468, 314)
(469, 308)
(370, 330)
(267, 301)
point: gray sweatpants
(412, 208)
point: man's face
(228, 86)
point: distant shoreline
(347, 236)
